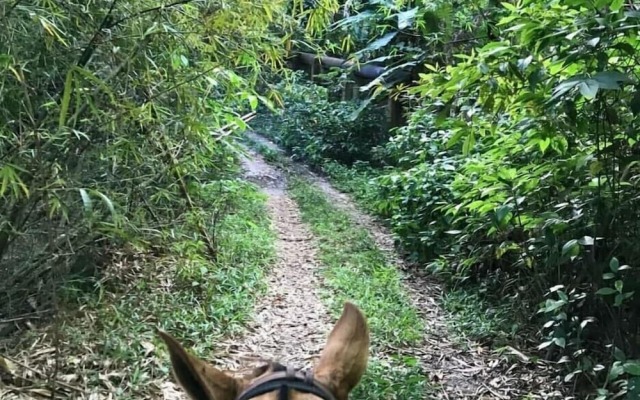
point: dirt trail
(291, 324)
(462, 372)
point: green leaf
(501, 213)
(458, 133)
(66, 99)
(523, 63)
(614, 265)
(632, 367)
(552, 305)
(545, 344)
(565, 86)
(606, 291)
(618, 354)
(406, 18)
(616, 5)
(544, 144)
(468, 144)
(354, 20)
(618, 285)
(571, 248)
(107, 202)
(10, 178)
(509, 6)
(610, 79)
(560, 342)
(379, 43)
(253, 101)
(589, 88)
(593, 42)
(616, 370)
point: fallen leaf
(148, 348)
(7, 366)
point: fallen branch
(43, 375)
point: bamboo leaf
(468, 144)
(86, 200)
(66, 99)
(96, 81)
(107, 202)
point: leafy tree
(114, 113)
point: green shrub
(109, 122)
(314, 129)
(527, 179)
(518, 168)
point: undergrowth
(477, 317)
(181, 292)
(355, 269)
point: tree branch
(91, 46)
(148, 10)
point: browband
(285, 381)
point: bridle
(284, 381)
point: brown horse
(340, 368)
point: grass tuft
(476, 317)
(182, 292)
(355, 269)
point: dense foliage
(113, 116)
(315, 129)
(519, 168)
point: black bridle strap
(284, 382)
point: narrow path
(462, 372)
(291, 323)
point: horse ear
(344, 359)
(200, 380)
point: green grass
(184, 293)
(396, 379)
(355, 269)
(270, 155)
(475, 317)
(354, 180)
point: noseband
(283, 382)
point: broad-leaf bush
(519, 169)
(314, 129)
(538, 134)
